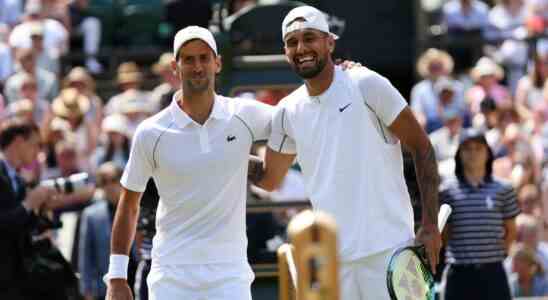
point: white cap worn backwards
(190, 33)
(312, 19)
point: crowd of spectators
(491, 75)
(499, 86)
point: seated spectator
(537, 127)
(445, 141)
(45, 59)
(47, 83)
(129, 79)
(135, 107)
(67, 164)
(55, 34)
(72, 107)
(10, 12)
(116, 141)
(465, 21)
(515, 160)
(425, 101)
(23, 109)
(506, 30)
(449, 100)
(95, 232)
(81, 80)
(529, 279)
(529, 201)
(486, 75)
(54, 132)
(89, 27)
(162, 95)
(465, 15)
(529, 92)
(39, 108)
(487, 118)
(537, 14)
(6, 61)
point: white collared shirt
(201, 175)
(352, 165)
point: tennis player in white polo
(345, 129)
(197, 152)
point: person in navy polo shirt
(482, 226)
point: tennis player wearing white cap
(197, 152)
(346, 131)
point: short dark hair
(14, 127)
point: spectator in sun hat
(448, 96)
(40, 108)
(72, 106)
(48, 85)
(486, 75)
(432, 65)
(163, 93)
(135, 107)
(80, 79)
(115, 141)
(129, 79)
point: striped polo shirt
(476, 225)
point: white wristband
(117, 267)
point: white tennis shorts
(221, 281)
(365, 278)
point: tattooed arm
(412, 136)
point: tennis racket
(409, 276)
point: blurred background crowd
(89, 71)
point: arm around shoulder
(275, 168)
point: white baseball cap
(190, 33)
(313, 19)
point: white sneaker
(93, 66)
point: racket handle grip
(443, 215)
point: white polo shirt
(201, 175)
(352, 165)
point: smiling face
(196, 66)
(308, 51)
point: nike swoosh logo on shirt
(341, 109)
